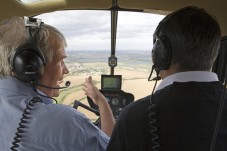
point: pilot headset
(28, 61)
(162, 49)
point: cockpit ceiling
(9, 8)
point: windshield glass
(88, 47)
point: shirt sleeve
(70, 130)
(96, 139)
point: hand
(92, 91)
(106, 115)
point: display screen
(111, 82)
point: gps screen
(111, 82)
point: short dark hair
(194, 36)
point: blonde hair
(50, 41)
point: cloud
(91, 30)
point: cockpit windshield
(88, 36)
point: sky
(90, 30)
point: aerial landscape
(134, 66)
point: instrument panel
(117, 100)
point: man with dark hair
(182, 112)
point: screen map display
(112, 82)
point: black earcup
(161, 53)
(28, 63)
(162, 49)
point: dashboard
(117, 99)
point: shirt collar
(196, 76)
(45, 98)
(15, 86)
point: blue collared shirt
(196, 76)
(51, 127)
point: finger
(86, 80)
(84, 84)
(90, 78)
(85, 90)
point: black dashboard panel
(117, 100)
